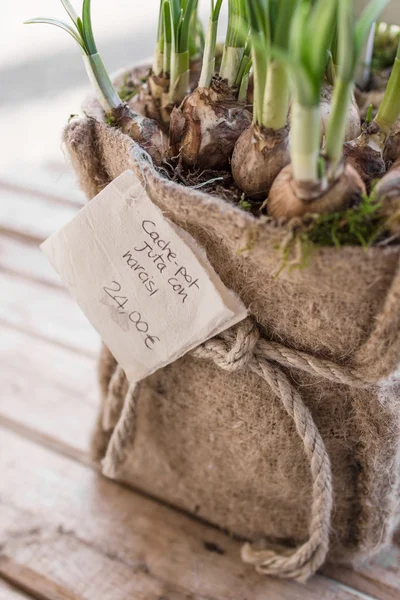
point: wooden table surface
(67, 533)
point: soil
(214, 182)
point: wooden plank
(30, 307)
(55, 181)
(23, 256)
(379, 577)
(48, 393)
(33, 216)
(62, 568)
(137, 534)
(10, 593)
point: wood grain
(67, 501)
(48, 393)
(29, 307)
(57, 566)
(7, 592)
(22, 256)
(53, 181)
(31, 215)
(379, 577)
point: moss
(128, 90)
(245, 204)
(361, 225)
(356, 226)
(110, 120)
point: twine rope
(241, 348)
(114, 402)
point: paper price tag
(143, 283)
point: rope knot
(242, 350)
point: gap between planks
(9, 592)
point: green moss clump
(128, 90)
(361, 225)
(356, 226)
(244, 204)
(110, 120)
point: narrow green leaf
(160, 27)
(87, 28)
(167, 22)
(61, 25)
(345, 40)
(281, 30)
(171, 4)
(216, 9)
(321, 29)
(184, 31)
(79, 25)
(298, 39)
(175, 12)
(71, 11)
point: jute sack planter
(285, 429)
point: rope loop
(241, 348)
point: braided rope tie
(242, 348)
(115, 400)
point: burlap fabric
(220, 444)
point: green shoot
(389, 110)
(158, 60)
(243, 77)
(181, 12)
(351, 40)
(196, 36)
(82, 33)
(369, 115)
(310, 40)
(260, 42)
(270, 23)
(235, 41)
(167, 39)
(208, 66)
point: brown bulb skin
(205, 127)
(388, 196)
(364, 154)
(368, 163)
(391, 151)
(150, 100)
(259, 156)
(146, 132)
(388, 189)
(286, 197)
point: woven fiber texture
(220, 443)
